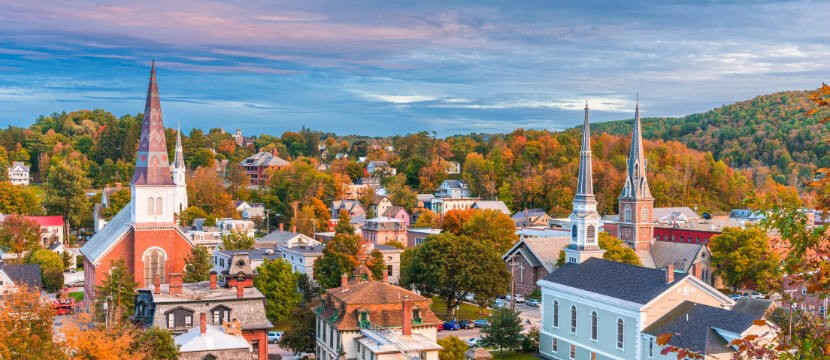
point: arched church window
(627, 213)
(151, 206)
(153, 265)
(591, 234)
(573, 233)
(158, 206)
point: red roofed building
(51, 229)
(144, 233)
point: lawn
(510, 355)
(465, 312)
(77, 295)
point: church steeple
(151, 163)
(584, 217)
(179, 174)
(636, 203)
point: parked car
(470, 297)
(440, 327)
(473, 341)
(752, 294)
(499, 303)
(735, 297)
(481, 323)
(466, 324)
(532, 302)
(274, 336)
(451, 325)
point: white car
(519, 298)
(274, 337)
(473, 341)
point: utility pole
(513, 282)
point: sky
(385, 67)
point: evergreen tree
(197, 265)
(504, 329)
(114, 297)
(343, 226)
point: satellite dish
(707, 216)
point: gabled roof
(682, 255)
(47, 220)
(661, 212)
(23, 274)
(214, 338)
(455, 184)
(18, 166)
(348, 205)
(492, 205)
(393, 210)
(759, 308)
(622, 281)
(694, 321)
(379, 163)
(264, 158)
(281, 238)
(111, 234)
(529, 213)
(543, 250)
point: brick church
(145, 233)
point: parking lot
(533, 314)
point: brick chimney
(344, 282)
(175, 284)
(157, 284)
(669, 273)
(406, 328)
(385, 276)
(698, 270)
(282, 226)
(240, 289)
(213, 280)
(294, 229)
(203, 323)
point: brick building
(259, 165)
(533, 258)
(144, 233)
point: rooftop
(47, 220)
(214, 338)
(201, 291)
(23, 274)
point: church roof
(622, 281)
(111, 234)
(695, 322)
(543, 250)
(151, 163)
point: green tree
(117, 201)
(278, 282)
(744, 254)
(615, 250)
(452, 267)
(18, 235)
(187, 216)
(530, 343)
(341, 256)
(492, 226)
(504, 329)
(308, 289)
(453, 348)
(400, 194)
(51, 268)
(66, 189)
(343, 225)
(114, 301)
(237, 240)
(197, 265)
(157, 343)
(301, 334)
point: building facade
(635, 226)
(18, 173)
(258, 167)
(383, 229)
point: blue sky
(394, 67)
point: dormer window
(416, 315)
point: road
(525, 313)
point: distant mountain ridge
(770, 134)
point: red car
(440, 327)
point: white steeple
(584, 218)
(179, 173)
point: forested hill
(770, 134)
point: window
(573, 319)
(389, 270)
(188, 320)
(644, 214)
(423, 355)
(556, 314)
(150, 206)
(555, 345)
(179, 317)
(803, 291)
(158, 206)
(171, 320)
(650, 348)
(594, 328)
(220, 314)
(593, 355)
(591, 234)
(627, 213)
(620, 327)
(573, 352)
(255, 345)
(153, 265)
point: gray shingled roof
(622, 281)
(682, 255)
(754, 307)
(545, 249)
(23, 274)
(693, 323)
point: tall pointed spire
(585, 182)
(151, 163)
(636, 226)
(636, 184)
(178, 162)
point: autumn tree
(744, 254)
(114, 297)
(616, 250)
(187, 216)
(197, 265)
(238, 180)
(454, 220)
(452, 348)
(237, 240)
(278, 282)
(117, 201)
(427, 219)
(341, 256)
(453, 267)
(206, 190)
(26, 326)
(491, 226)
(343, 225)
(19, 234)
(18, 199)
(66, 189)
(85, 339)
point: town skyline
(400, 69)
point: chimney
(213, 280)
(175, 284)
(294, 229)
(281, 227)
(157, 284)
(669, 273)
(240, 289)
(344, 282)
(406, 329)
(203, 323)
(698, 270)
(385, 276)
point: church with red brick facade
(145, 233)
